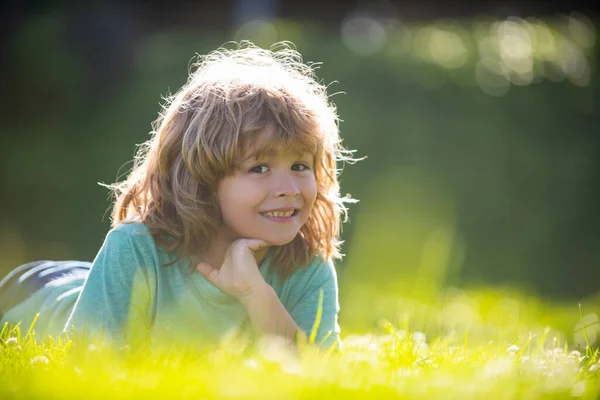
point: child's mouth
(280, 216)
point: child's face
(282, 180)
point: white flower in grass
(39, 361)
(575, 355)
(513, 349)
(12, 344)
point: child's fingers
(207, 271)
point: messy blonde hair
(231, 97)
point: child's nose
(286, 186)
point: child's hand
(239, 275)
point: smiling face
(281, 180)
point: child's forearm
(269, 316)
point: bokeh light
(363, 35)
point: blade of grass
(32, 324)
(588, 350)
(313, 332)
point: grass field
(395, 362)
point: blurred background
(479, 120)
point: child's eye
(257, 169)
(303, 167)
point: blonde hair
(231, 96)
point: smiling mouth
(280, 214)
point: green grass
(395, 362)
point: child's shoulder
(131, 228)
(318, 274)
(132, 238)
(318, 262)
(318, 268)
(131, 232)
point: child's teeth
(279, 214)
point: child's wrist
(257, 296)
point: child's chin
(280, 241)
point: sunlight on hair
(231, 94)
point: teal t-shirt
(130, 293)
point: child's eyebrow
(263, 154)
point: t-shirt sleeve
(116, 297)
(319, 279)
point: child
(229, 219)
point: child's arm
(268, 315)
(239, 276)
(315, 307)
(116, 297)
